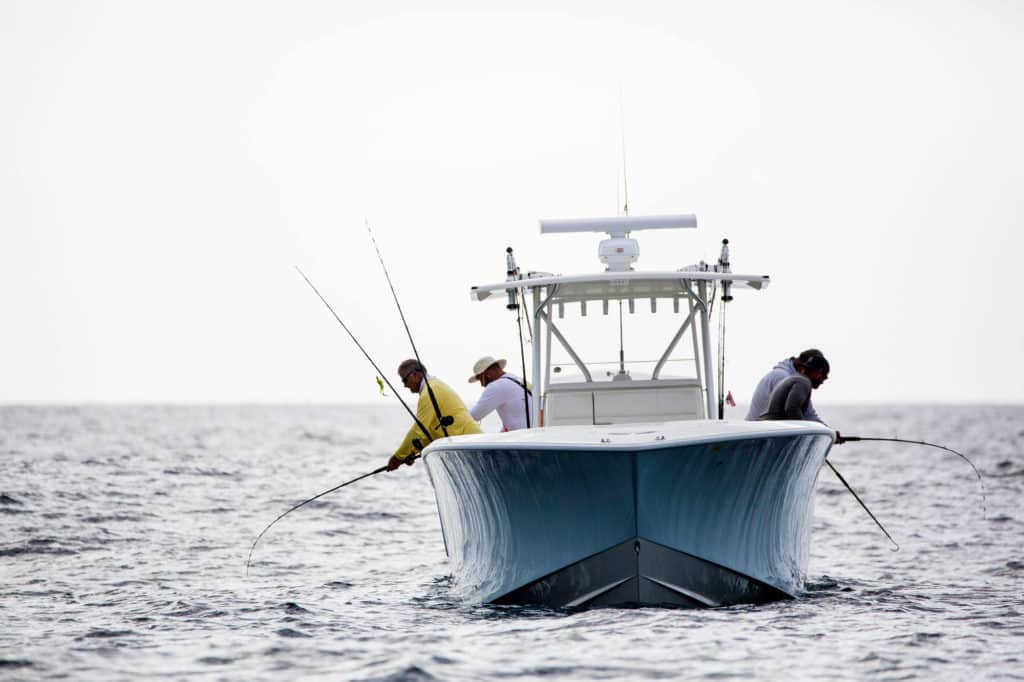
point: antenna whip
(625, 176)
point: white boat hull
(687, 513)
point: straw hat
(483, 363)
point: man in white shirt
(502, 392)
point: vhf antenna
(625, 175)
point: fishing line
(315, 497)
(984, 513)
(854, 493)
(367, 355)
(443, 420)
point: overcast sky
(163, 166)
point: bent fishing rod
(444, 421)
(853, 439)
(408, 460)
(376, 471)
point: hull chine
(641, 572)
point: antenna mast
(625, 175)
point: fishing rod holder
(723, 266)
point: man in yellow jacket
(414, 377)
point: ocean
(124, 532)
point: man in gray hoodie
(785, 368)
(791, 397)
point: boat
(630, 488)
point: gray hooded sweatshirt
(759, 403)
(790, 398)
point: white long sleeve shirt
(506, 396)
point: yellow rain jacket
(451, 406)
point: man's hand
(394, 462)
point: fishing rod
(444, 421)
(723, 266)
(512, 274)
(315, 497)
(854, 493)
(367, 355)
(848, 439)
(526, 316)
(408, 460)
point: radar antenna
(619, 252)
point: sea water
(124, 533)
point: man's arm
(796, 399)
(425, 413)
(812, 414)
(407, 448)
(488, 402)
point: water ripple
(145, 570)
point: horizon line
(343, 403)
